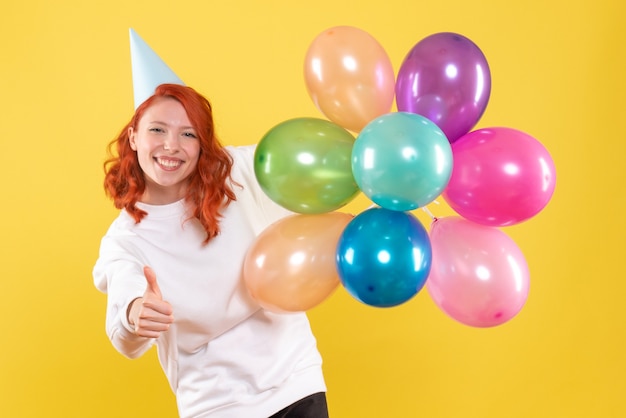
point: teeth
(169, 163)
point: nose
(171, 142)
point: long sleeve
(260, 209)
(119, 273)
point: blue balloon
(384, 257)
(402, 161)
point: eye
(156, 129)
(189, 135)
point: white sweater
(224, 356)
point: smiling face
(167, 148)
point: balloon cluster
(401, 160)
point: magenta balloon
(500, 177)
(445, 77)
(478, 275)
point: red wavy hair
(208, 191)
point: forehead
(166, 110)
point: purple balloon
(445, 77)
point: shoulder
(120, 238)
(243, 164)
(121, 226)
(241, 154)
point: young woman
(171, 264)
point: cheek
(144, 156)
(193, 152)
(144, 160)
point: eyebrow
(158, 122)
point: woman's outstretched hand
(150, 315)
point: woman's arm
(119, 274)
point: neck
(157, 195)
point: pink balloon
(500, 177)
(478, 275)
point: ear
(131, 138)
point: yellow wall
(65, 90)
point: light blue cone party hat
(149, 70)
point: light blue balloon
(384, 257)
(402, 161)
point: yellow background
(65, 90)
